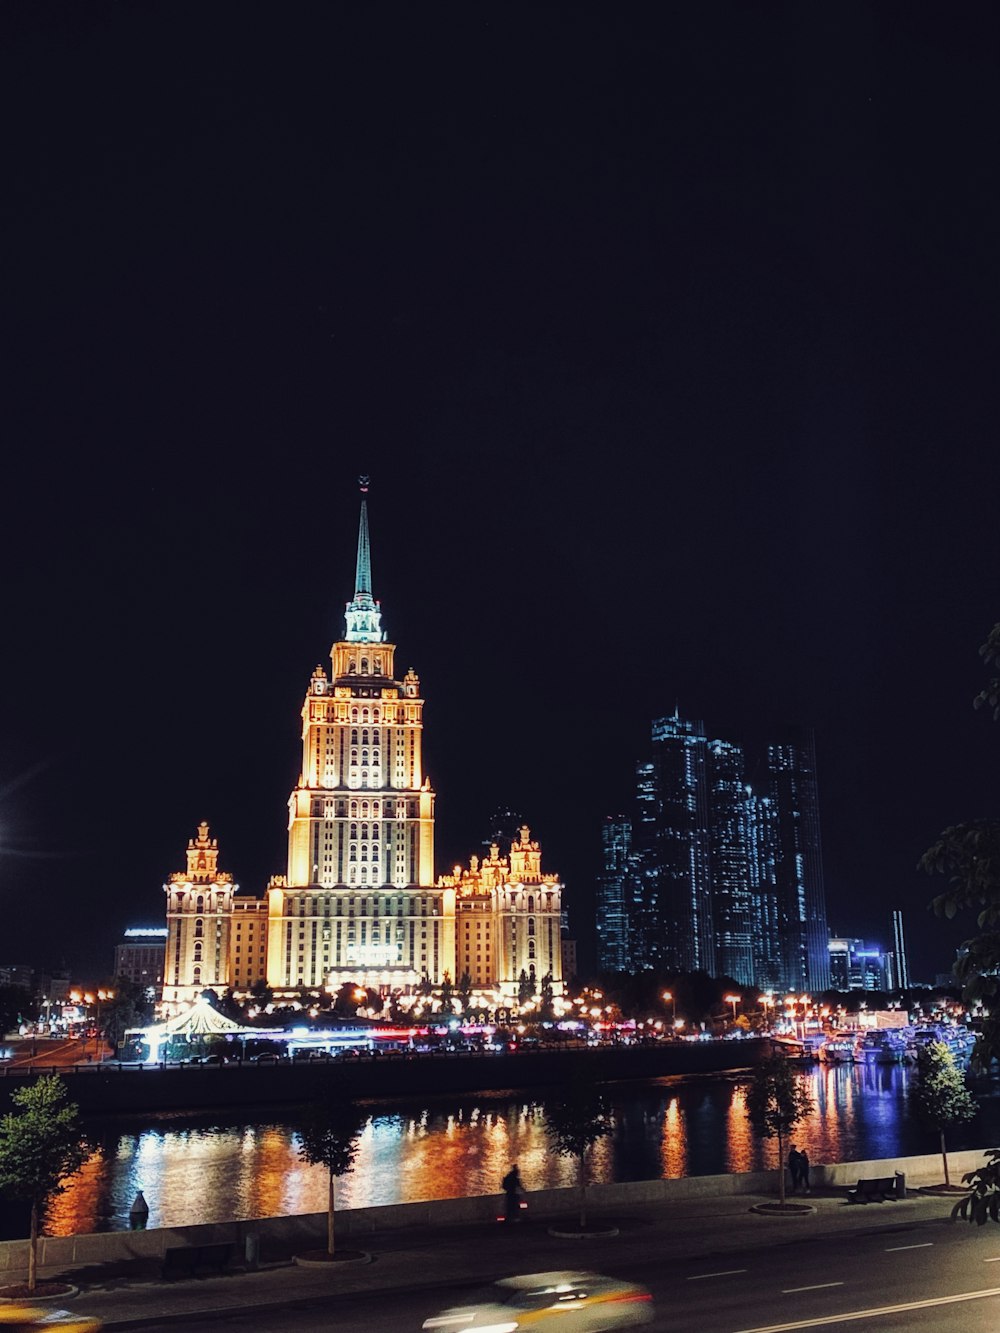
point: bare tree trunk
(781, 1169)
(33, 1248)
(329, 1219)
(583, 1192)
(944, 1158)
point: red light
(632, 1296)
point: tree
(990, 653)
(970, 855)
(546, 1010)
(447, 995)
(575, 1118)
(262, 993)
(525, 987)
(464, 991)
(983, 1200)
(40, 1145)
(329, 1137)
(776, 1101)
(940, 1098)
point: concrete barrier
(59, 1252)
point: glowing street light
(668, 996)
(734, 1001)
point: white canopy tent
(200, 1021)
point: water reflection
(219, 1169)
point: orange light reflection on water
(456, 1147)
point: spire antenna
(363, 574)
(364, 617)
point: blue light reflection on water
(200, 1170)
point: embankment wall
(62, 1252)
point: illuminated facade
(711, 875)
(507, 920)
(359, 902)
(199, 923)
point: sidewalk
(679, 1233)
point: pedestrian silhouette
(512, 1187)
(795, 1167)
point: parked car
(569, 1302)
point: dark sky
(668, 335)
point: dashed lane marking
(817, 1286)
(875, 1312)
(727, 1272)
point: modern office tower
(856, 966)
(719, 876)
(762, 854)
(139, 957)
(902, 968)
(614, 891)
(799, 864)
(729, 863)
(674, 835)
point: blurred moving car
(26, 1319)
(572, 1302)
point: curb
(346, 1257)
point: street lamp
(734, 1001)
(669, 997)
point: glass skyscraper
(710, 874)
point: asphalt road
(931, 1276)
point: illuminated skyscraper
(799, 864)
(901, 965)
(717, 876)
(614, 892)
(359, 902)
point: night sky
(668, 335)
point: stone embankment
(132, 1089)
(114, 1247)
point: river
(209, 1169)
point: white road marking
(992, 1261)
(728, 1272)
(924, 1245)
(817, 1286)
(874, 1312)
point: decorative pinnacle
(363, 576)
(364, 618)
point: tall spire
(364, 616)
(363, 576)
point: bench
(878, 1189)
(190, 1260)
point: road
(48, 1052)
(933, 1277)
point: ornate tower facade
(507, 920)
(358, 901)
(199, 922)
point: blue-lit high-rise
(712, 874)
(614, 894)
(799, 863)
